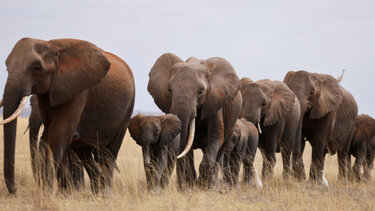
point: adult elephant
(204, 93)
(363, 147)
(82, 90)
(73, 177)
(328, 115)
(275, 109)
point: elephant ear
(329, 97)
(223, 85)
(135, 127)
(244, 82)
(81, 65)
(282, 102)
(171, 127)
(158, 83)
(287, 76)
(365, 128)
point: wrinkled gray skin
(159, 137)
(363, 147)
(240, 146)
(328, 116)
(276, 108)
(75, 176)
(207, 90)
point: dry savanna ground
(129, 191)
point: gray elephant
(159, 137)
(275, 109)
(204, 93)
(362, 147)
(85, 97)
(239, 147)
(328, 116)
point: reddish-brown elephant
(82, 91)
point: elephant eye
(201, 90)
(169, 89)
(156, 131)
(37, 66)
(264, 104)
(312, 91)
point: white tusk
(324, 180)
(258, 182)
(17, 112)
(259, 129)
(190, 140)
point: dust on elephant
(204, 93)
(82, 90)
(275, 109)
(363, 147)
(74, 178)
(159, 137)
(328, 114)
(240, 146)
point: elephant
(159, 137)
(362, 147)
(276, 110)
(85, 97)
(204, 93)
(328, 115)
(75, 176)
(240, 147)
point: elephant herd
(84, 98)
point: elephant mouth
(17, 112)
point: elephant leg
(207, 167)
(248, 165)
(76, 169)
(186, 174)
(359, 161)
(92, 168)
(172, 157)
(161, 165)
(107, 164)
(271, 135)
(227, 169)
(297, 162)
(235, 166)
(317, 163)
(367, 165)
(286, 154)
(34, 153)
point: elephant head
(318, 94)
(364, 129)
(60, 69)
(265, 101)
(150, 131)
(191, 88)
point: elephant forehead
(23, 52)
(184, 67)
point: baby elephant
(240, 147)
(363, 146)
(159, 137)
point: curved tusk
(17, 112)
(258, 182)
(260, 130)
(1, 103)
(190, 140)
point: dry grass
(129, 191)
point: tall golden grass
(129, 189)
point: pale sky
(261, 39)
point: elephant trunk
(11, 101)
(186, 114)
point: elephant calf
(159, 137)
(239, 147)
(363, 146)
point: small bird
(324, 180)
(257, 180)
